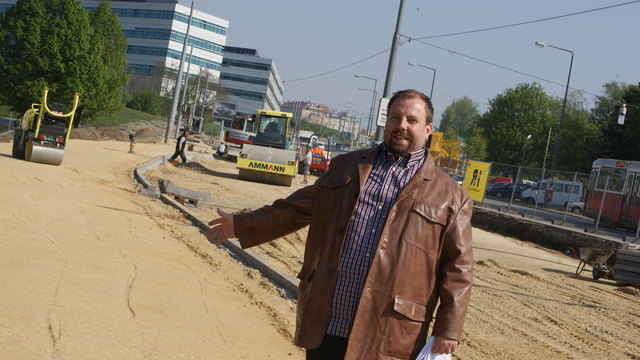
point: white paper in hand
(426, 354)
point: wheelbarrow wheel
(597, 272)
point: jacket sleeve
(455, 274)
(270, 222)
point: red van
(501, 179)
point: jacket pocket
(405, 328)
(336, 181)
(424, 226)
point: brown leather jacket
(424, 255)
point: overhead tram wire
(343, 67)
(526, 22)
(453, 57)
(469, 32)
(496, 65)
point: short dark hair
(410, 93)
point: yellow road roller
(43, 132)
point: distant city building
(321, 114)
(252, 82)
(156, 30)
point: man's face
(406, 129)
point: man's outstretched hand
(222, 228)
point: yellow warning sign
(475, 179)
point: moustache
(403, 134)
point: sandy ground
(93, 270)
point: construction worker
(306, 163)
(181, 142)
(132, 140)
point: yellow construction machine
(268, 158)
(42, 133)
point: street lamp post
(433, 80)
(524, 148)
(556, 148)
(373, 100)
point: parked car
(560, 190)
(506, 190)
(576, 207)
(494, 186)
(500, 179)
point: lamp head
(356, 75)
(411, 63)
(540, 44)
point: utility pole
(392, 61)
(176, 93)
(184, 93)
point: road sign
(382, 112)
(475, 179)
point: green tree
(112, 64)
(512, 116)
(575, 153)
(147, 101)
(475, 147)
(459, 116)
(619, 141)
(51, 43)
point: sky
(318, 46)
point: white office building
(252, 82)
(156, 30)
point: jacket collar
(368, 158)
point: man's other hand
(222, 228)
(444, 345)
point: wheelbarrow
(598, 258)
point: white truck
(306, 137)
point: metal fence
(559, 191)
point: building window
(164, 52)
(141, 69)
(249, 95)
(244, 79)
(246, 64)
(166, 34)
(169, 14)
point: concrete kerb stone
(248, 256)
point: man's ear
(429, 129)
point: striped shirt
(388, 176)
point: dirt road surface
(93, 270)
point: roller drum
(43, 154)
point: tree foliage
(618, 141)
(112, 64)
(512, 116)
(52, 43)
(147, 101)
(460, 116)
(475, 147)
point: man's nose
(402, 123)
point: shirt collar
(407, 159)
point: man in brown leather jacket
(389, 238)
